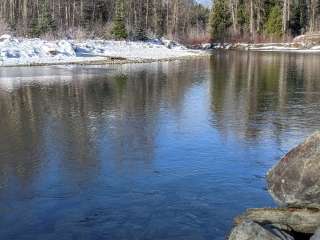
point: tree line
(178, 19)
(183, 20)
(256, 20)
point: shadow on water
(148, 151)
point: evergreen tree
(220, 20)
(243, 19)
(273, 26)
(119, 30)
(140, 33)
(296, 24)
(303, 15)
(44, 22)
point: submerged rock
(295, 180)
(250, 230)
(289, 219)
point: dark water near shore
(148, 151)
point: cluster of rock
(294, 183)
(308, 40)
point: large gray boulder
(295, 180)
(289, 219)
(251, 231)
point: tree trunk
(252, 20)
(284, 16)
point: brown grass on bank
(259, 38)
(4, 27)
(196, 40)
(102, 31)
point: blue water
(148, 151)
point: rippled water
(148, 151)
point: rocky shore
(309, 43)
(294, 183)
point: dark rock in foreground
(250, 230)
(295, 180)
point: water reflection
(258, 94)
(69, 120)
(147, 151)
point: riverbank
(37, 52)
(262, 47)
(309, 43)
(274, 47)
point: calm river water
(148, 151)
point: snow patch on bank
(14, 51)
(269, 47)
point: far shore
(301, 44)
(40, 52)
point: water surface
(148, 151)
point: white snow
(272, 47)
(285, 48)
(315, 48)
(14, 51)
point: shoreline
(28, 52)
(194, 53)
(293, 47)
(107, 61)
(41, 52)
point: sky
(205, 2)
